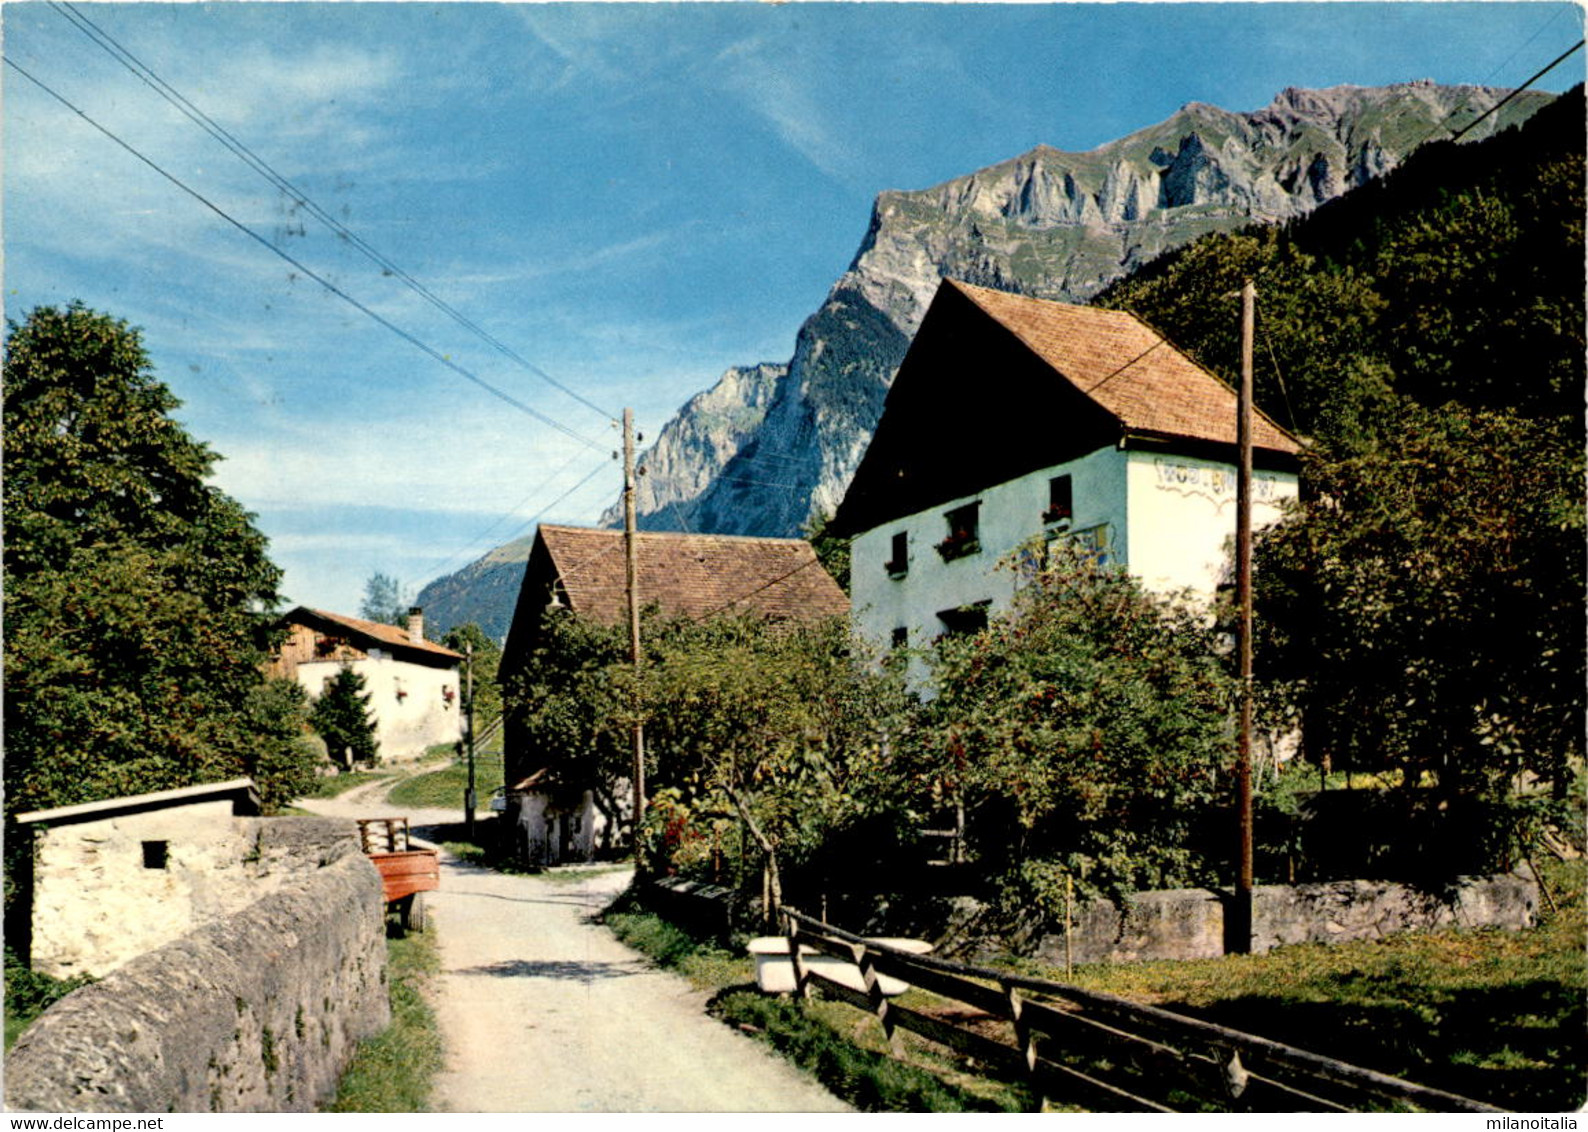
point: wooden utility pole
(1241, 933)
(631, 553)
(468, 737)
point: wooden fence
(1099, 1051)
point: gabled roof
(241, 792)
(685, 574)
(373, 633)
(1127, 368)
(996, 386)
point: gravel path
(542, 1010)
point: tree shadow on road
(586, 971)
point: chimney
(416, 625)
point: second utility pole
(1240, 939)
(631, 553)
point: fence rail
(1097, 1050)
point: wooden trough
(405, 872)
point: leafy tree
(384, 601)
(766, 743)
(1084, 732)
(342, 717)
(1421, 610)
(831, 550)
(776, 746)
(137, 595)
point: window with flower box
(964, 532)
(899, 565)
(1061, 507)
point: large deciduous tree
(1421, 610)
(137, 595)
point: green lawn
(1496, 1016)
(445, 787)
(334, 785)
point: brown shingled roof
(391, 635)
(692, 575)
(1127, 368)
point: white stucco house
(1013, 419)
(413, 683)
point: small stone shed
(114, 879)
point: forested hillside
(1422, 608)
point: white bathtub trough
(774, 974)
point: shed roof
(691, 575)
(242, 792)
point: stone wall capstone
(257, 1012)
(1189, 923)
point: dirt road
(543, 1011)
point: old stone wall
(257, 1012)
(1189, 923)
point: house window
(155, 854)
(964, 532)
(965, 620)
(899, 565)
(901, 637)
(1061, 508)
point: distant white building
(413, 683)
(1013, 419)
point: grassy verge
(395, 1070)
(445, 787)
(1497, 1016)
(30, 993)
(842, 1047)
(334, 785)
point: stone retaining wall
(1189, 923)
(257, 1012)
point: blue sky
(631, 197)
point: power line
(106, 42)
(807, 564)
(1106, 378)
(533, 519)
(443, 563)
(1559, 59)
(310, 272)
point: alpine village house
(582, 572)
(412, 683)
(1014, 419)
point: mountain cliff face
(769, 446)
(1047, 223)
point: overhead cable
(164, 89)
(310, 272)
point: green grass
(332, 786)
(31, 993)
(842, 1047)
(445, 787)
(395, 1070)
(1493, 1015)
